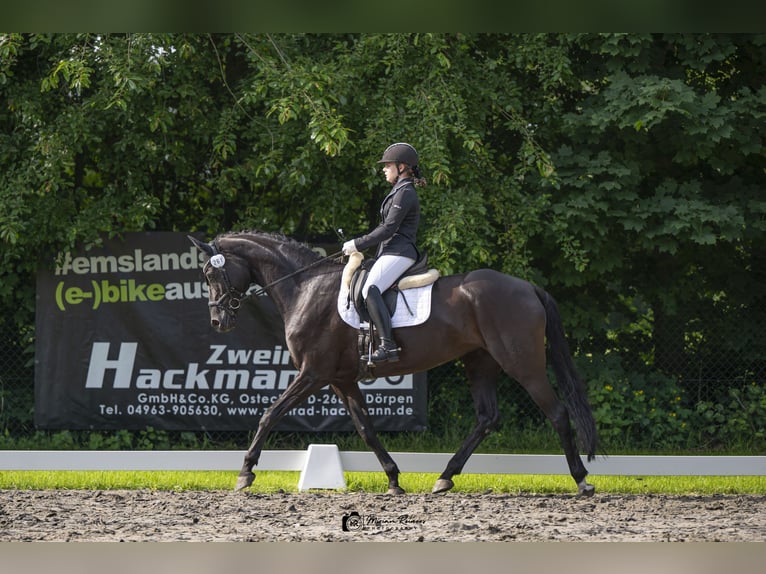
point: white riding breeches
(386, 270)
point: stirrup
(383, 354)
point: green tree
(661, 200)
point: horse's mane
(302, 250)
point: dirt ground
(223, 516)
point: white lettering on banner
(123, 365)
(177, 398)
(136, 262)
(222, 355)
(181, 291)
(195, 378)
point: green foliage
(655, 412)
(653, 148)
(634, 408)
(740, 418)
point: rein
(232, 298)
(262, 290)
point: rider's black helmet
(400, 153)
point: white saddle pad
(418, 299)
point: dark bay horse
(492, 321)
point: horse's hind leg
(542, 394)
(482, 372)
(354, 400)
(521, 353)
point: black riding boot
(387, 350)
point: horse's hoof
(244, 480)
(585, 490)
(442, 485)
(395, 490)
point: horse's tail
(570, 385)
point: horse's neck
(271, 261)
(268, 263)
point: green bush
(647, 410)
(739, 420)
(641, 409)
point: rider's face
(391, 172)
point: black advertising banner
(123, 341)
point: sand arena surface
(227, 516)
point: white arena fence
(355, 461)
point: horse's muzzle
(222, 322)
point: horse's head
(228, 279)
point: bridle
(231, 299)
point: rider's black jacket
(400, 217)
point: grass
(374, 482)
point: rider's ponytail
(420, 181)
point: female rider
(395, 237)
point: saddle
(357, 269)
(355, 274)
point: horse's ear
(202, 246)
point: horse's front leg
(354, 401)
(295, 394)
